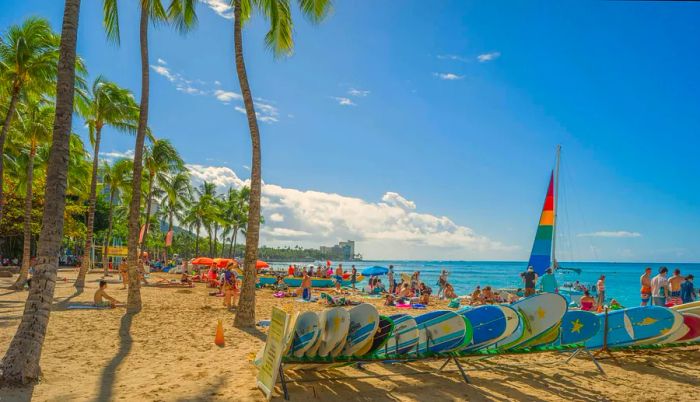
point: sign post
(272, 355)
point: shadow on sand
(109, 372)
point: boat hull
(296, 282)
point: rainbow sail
(541, 255)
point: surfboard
(445, 331)
(403, 338)
(693, 308)
(578, 326)
(364, 321)
(305, 333)
(632, 325)
(334, 323)
(538, 314)
(386, 328)
(692, 321)
(489, 324)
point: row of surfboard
(535, 321)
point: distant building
(345, 251)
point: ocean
(622, 279)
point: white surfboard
(334, 323)
(538, 313)
(364, 321)
(304, 334)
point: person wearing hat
(530, 279)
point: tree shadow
(63, 304)
(21, 393)
(109, 372)
(256, 333)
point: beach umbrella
(261, 264)
(375, 270)
(202, 261)
(221, 262)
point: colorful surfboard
(578, 326)
(692, 321)
(334, 323)
(364, 321)
(635, 324)
(538, 314)
(490, 324)
(444, 331)
(693, 308)
(304, 334)
(386, 328)
(403, 339)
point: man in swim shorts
(645, 283)
(306, 287)
(102, 299)
(659, 288)
(675, 284)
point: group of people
(664, 291)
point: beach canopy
(202, 261)
(221, 262)
(261, 264)
(375, 270)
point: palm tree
(35, 120)
(116, 178)
(108, 104)
(160, 160)
(21, 361)
(182, 15)
(28, 58)
(235, 215)
(177, 193)
(200, 211)
(279, 40)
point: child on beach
(102, 299)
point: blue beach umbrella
(375, 270)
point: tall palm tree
(116, 178)
(279, 40)
(200, 212)
(28, 58)
(21, 361)
(181, 13)
(108, 104)
(235, 215)
(161, 160)
(34, 126)
(177, 193)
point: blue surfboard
(631, 325)
(488, 323)
(444, 331)
(578, 326)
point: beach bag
(454, 303)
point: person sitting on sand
(306, 287)
(404, 294)
(185, 279)
(487, 295)
(102, 299)
(280, 284)
(389, 301)
(425, 292)
(615, 305)
(449, 291)
(587, 303)
(476, 295)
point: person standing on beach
(530, 279)
(353, 277)
(390, 278)
(442, 282)
(645, 283)
(600, 286)
(675, 286)
(548, 283)
(306, 287)
(659, 288)
(338, 277)
(229, 286)
(687, 290)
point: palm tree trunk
(27, 247)
(245, 316)
(230, 248)
(134, 295)
(216, 235)
(196, 242)
(21, 361)
(170, 227)
(85, 264)
(108, 237)
(149, 195)
(209, 232)
(14, 97)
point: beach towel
(87, 307)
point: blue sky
(429, 132)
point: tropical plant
(181, 13)
(34, 127)
(21, 361)
(279, 40)
(177, 194)
(235, 215)
(116, 178)
(107, 104)
(200, 211)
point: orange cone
(219, 338)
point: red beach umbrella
(202, 261)
(261, 264)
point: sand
(167, 353)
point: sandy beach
(167, 353)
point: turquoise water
(622, 279)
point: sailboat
(543, 254)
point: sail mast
(556, 209)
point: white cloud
(358, 92)
(161, 61)
(451, 57)
(110, 156)
(221, 7)
(246, 167)
(276, 217)
(395, 199)
(616, 234)
(343, 101)
(488, 56)
(221, 176)
(164, 71)
(181, 83)
(217, 83)
(448, 76)
(227, 96)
